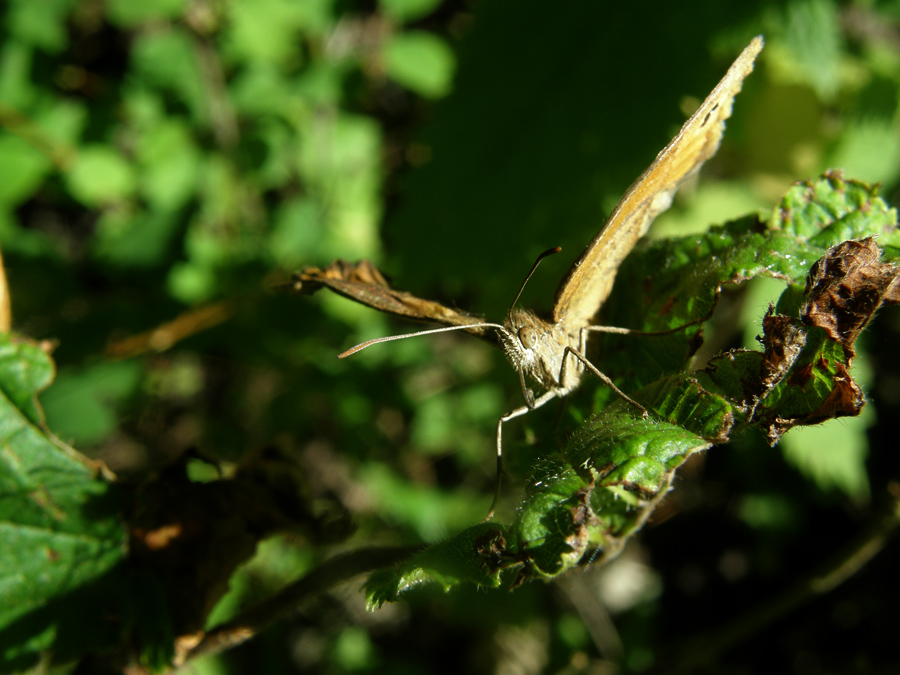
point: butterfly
(553, 353)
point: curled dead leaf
(846, 287)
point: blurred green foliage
(160, 157)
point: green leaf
(420, 61)
(42, 24)
(61, 121)
(343, 172)
(16, 86)
(58, 529)
(24, 371)
(167, 59)
(552, 527)
(833, 455)
(869, 148)
(100, 175)
(191, 282)
(813, 36)
(260, 90)
(354, 650)
(466, 557)
(271, 30)
(278, 561)
(830, 210)
(296, 231)
(23, 169)
(170, 165)
(321, 85)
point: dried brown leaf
(846, 287)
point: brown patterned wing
(589, 281)
(363, 283)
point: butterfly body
(537, 348)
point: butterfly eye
(527, 337)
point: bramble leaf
(59, 527)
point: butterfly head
(533, 347)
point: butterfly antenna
(548, 252)
(375, 341)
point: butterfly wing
(589, 281)
(363, 283)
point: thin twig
(5, 306)
(166, 335)
(223, 118)
(323, 578)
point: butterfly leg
(632, 331)
(596, 371)
(518, 412)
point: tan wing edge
(590, 280)
(363, 283)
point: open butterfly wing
(589, 281)
(363, 283)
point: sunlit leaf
(58, 527)
(421, 62)
(42, 24)
(101, 175)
